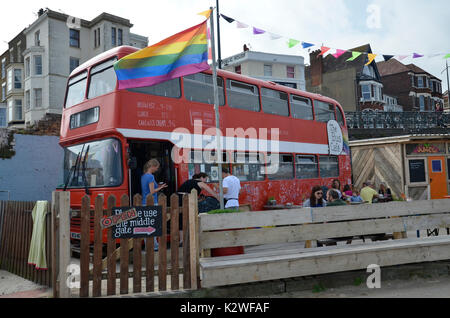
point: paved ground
(12, 286)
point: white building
(391, 104)
(288, 70)
(56, 45)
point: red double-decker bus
(108, 134)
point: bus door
(143, 151)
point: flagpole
(219, 54)
(216, 108)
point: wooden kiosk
(415, 165)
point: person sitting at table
(336, 185)
(385, 192)
(316, 199)
(347, 191)
(368, 193)
(356, 197)
(333, 198)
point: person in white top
(231, 188)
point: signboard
(335, 138)
(135, 222)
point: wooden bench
(280, 239)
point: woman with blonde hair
(148, 182)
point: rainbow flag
(181, 54)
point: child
(356, 197)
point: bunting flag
(258, 31)
(228, 19)
(371, 58)
(306, 45)
(355, 55)
(292, 43)
(339, 53)
(241, 25)
(323, 50)
(181, 54)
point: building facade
(446, 103)
(353, 84)
(46, 52)
(288, 70)
(416, 89)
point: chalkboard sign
(139, 222)
(417, 170)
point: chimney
(316, 68)
(40, 12)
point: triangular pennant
(228, 19)
(339, 53)
(274, 36)
(292, 43)
(371, 58)
(306, 45)
(447, 56)
(355, 55)
(258, 31)
(323, 50)
(241, 25)
(387, 57)
(402, 57)
(417, 55)
(206, 13)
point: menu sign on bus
(134, 222)
(335, 139)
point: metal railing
(408, 121)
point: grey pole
(216, 108)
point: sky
(391, 27)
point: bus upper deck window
(324, 111)
(103, 79)
(340, 117)
(76, 90)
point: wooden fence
(16, 228)
(144, 271)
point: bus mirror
(132, 163)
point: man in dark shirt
(333, 198)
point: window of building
(267, 70)
(73, 63)
(274, 102)
(301, 107)
(37, 38)
(420, 81)
(37, 97)
(199, 88)
(27, 100)
(17, 78)
(285, 169)
(290, 71)
(237, 69)
(74, 39)
(307, 167)
(243, 96)
(103, 79)
(27, 67)
(3, 91)
(18, 109)
(11, 56)
(10, 111)
(119, 37)
(421, 103)
(19, 52)
(3, 67)
(37, 64)
(366, 92)
(9, 80)
(329, 166)
(3, 121)
(113, 36)
(323, 111)
(248, 166)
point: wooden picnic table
(281, 207)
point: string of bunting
(323, 49)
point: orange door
(438, 177)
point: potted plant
(272, 201)
(225, 251)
